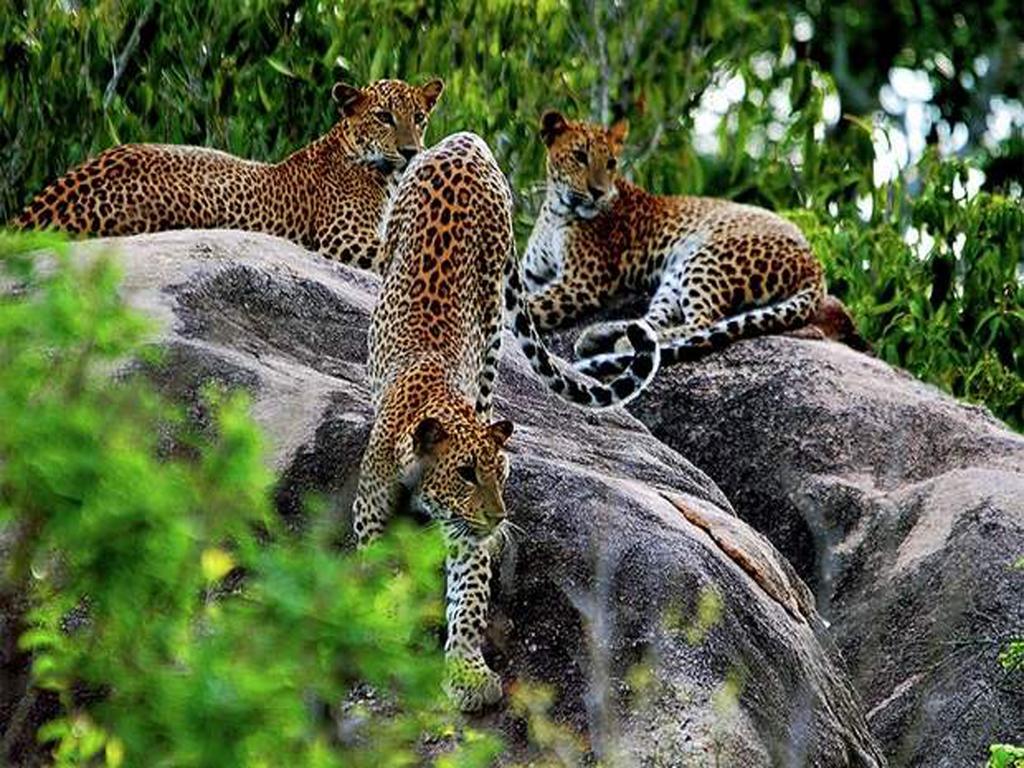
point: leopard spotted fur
(329, 196)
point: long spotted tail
(772, 318)
(639, 368)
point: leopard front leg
(681, 300)
(369, 517)
(375, 493)
(469, 682)
(566, 300)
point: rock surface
(902, 509)
(622, 536)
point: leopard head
(384, 122)
(582, 163)
(460, 470)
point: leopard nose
(595, 192)
(407, 152)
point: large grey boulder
(622, 536)
(902, 508)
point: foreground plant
(169, 630)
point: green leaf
(281, 67)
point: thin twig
(652, 144)
(599, 103)
(121, 62)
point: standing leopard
(330, 196)
(716, 270)
(434, 344)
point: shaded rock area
(902, 508)
(622, 537)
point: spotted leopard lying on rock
(329, 196)
(434, 344)
(715, 270)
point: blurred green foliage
(1005, 756)
(857, 43)
(175, 621)
(729, 98)
(953, 314)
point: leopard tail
(556, 373)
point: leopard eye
(384, 116)
(468, 473)
(580, 156)
(420, 118)
(612, 162)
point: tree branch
(121, 62)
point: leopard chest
(545, 251)
(551, 243)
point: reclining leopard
(434, 343)
(716, 270)
(329, 196)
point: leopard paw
(471, 688)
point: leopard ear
(432, 91)
(428, 436)
(552, 125)
(348, 98)
(618, 131)
(501, 431)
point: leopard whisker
(513, 527)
